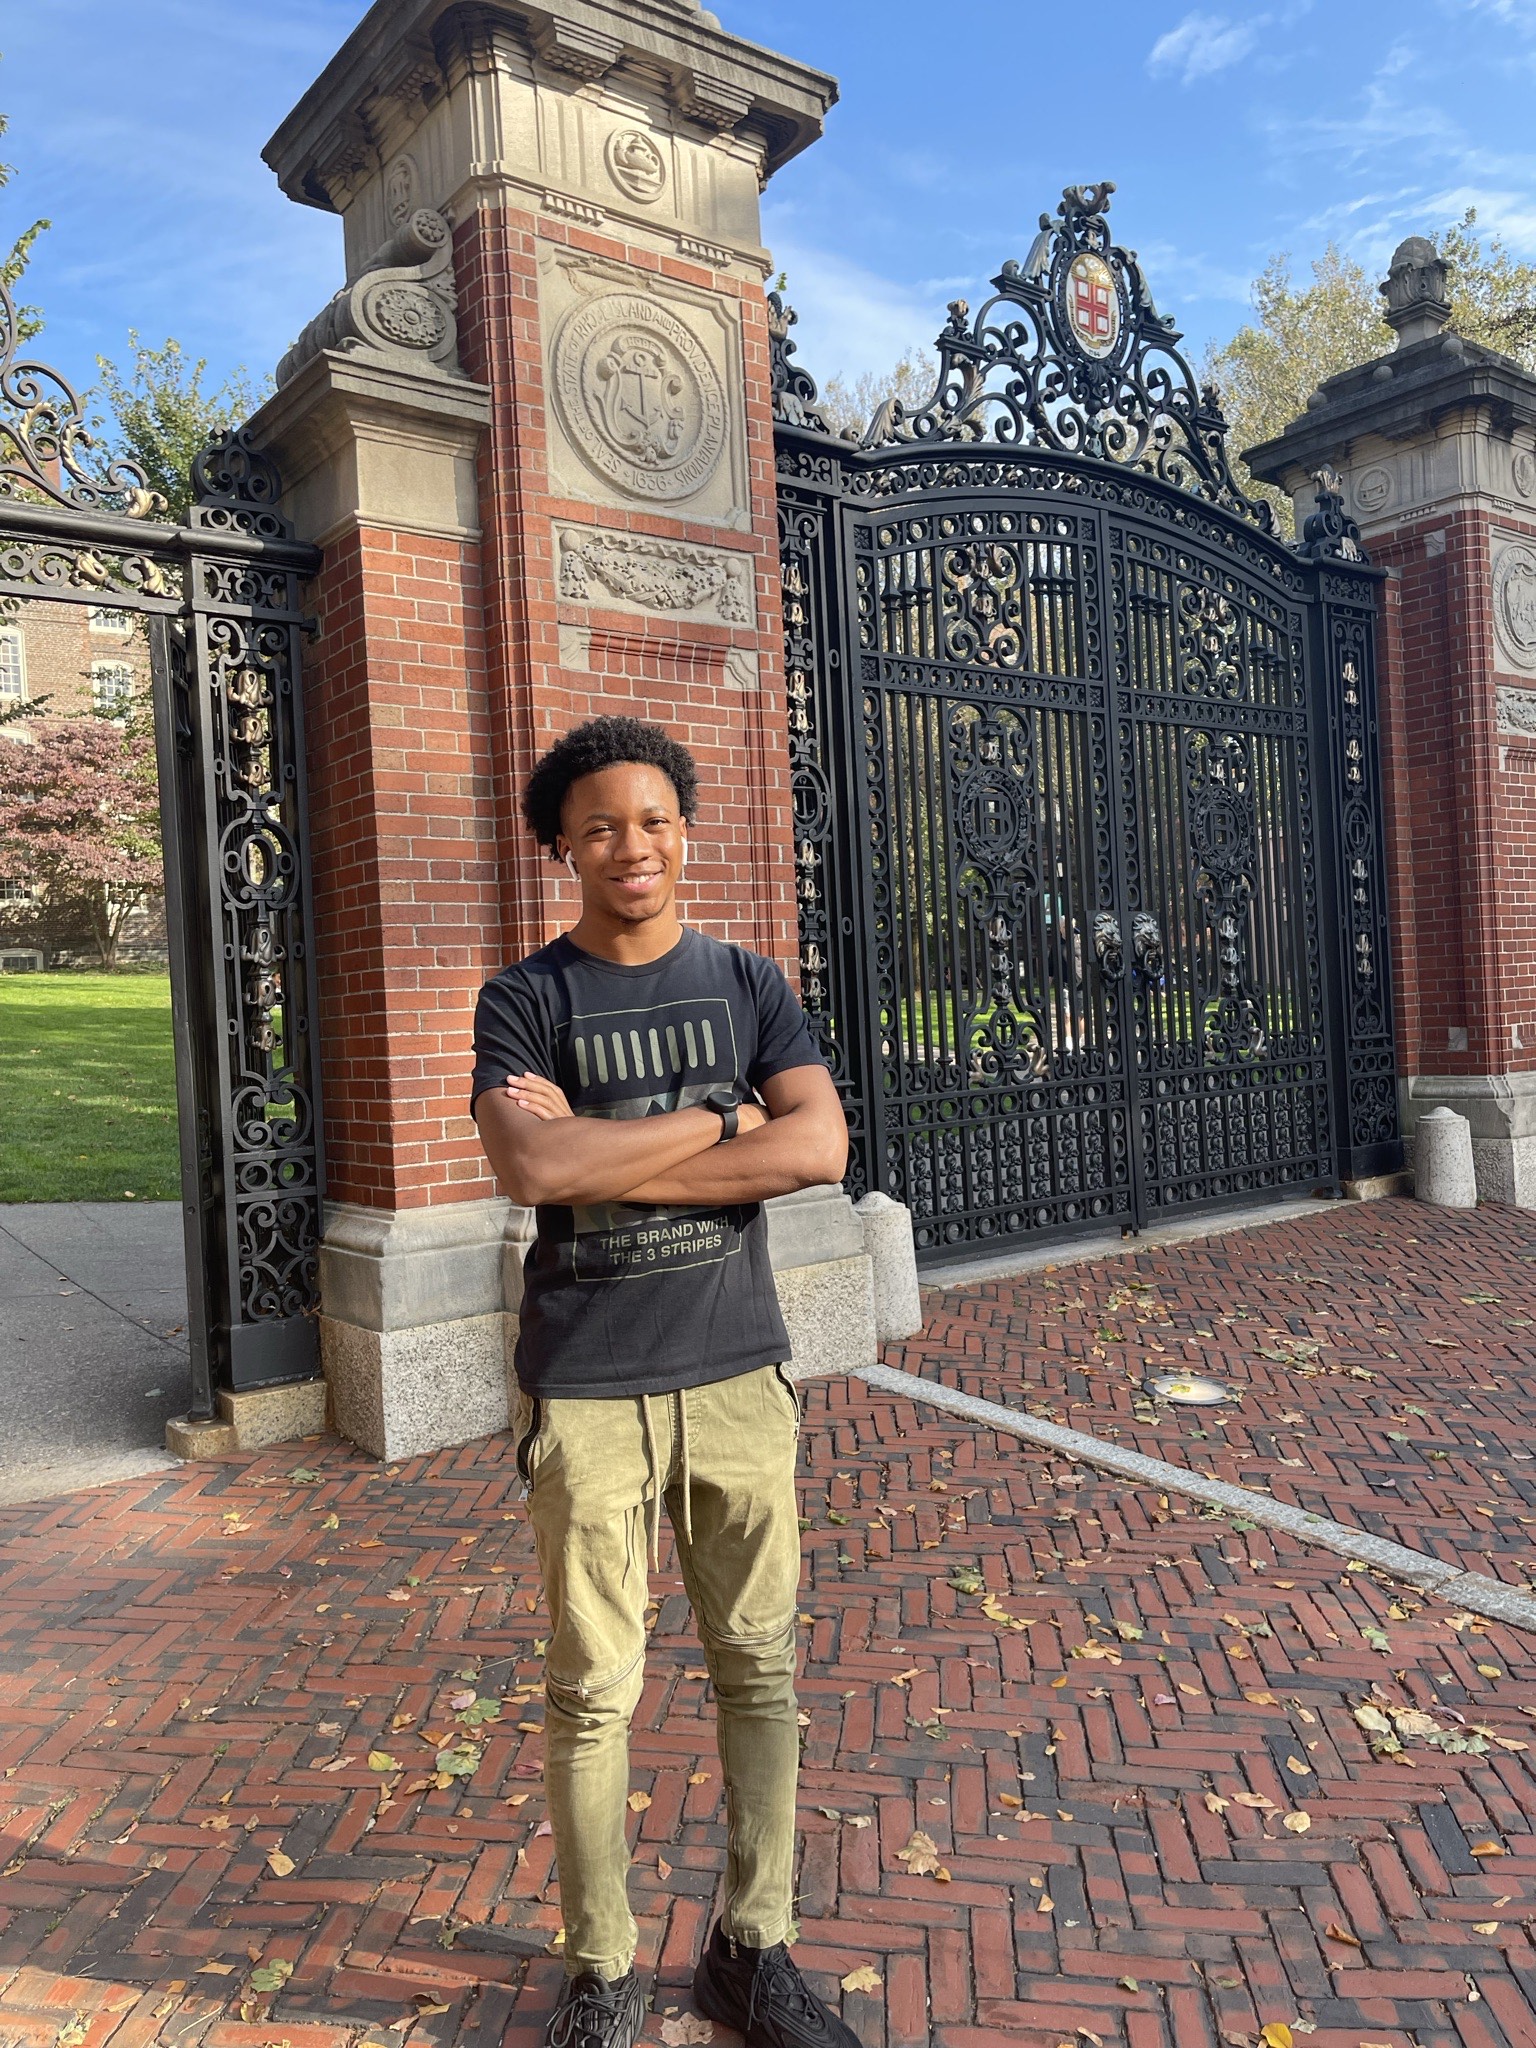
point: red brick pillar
(533, 437)
(1437, 447)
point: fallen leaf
(1485, 1926)
(638, 1801)
(425, 2004)
(698, 1777)
(1214, 1803)
(864, 1978)
(1297, 1823)
(663, 1867)
(921, 1855)
(1335, 1932)
(1009, 1799)
(1256, 1800)
(861, 1820)
(279, 1864)
(1297, 1768)
(1276, 2035)
(685, 2029)
(398, 1593)
(1487, 1849)
(1490, 1671)
(381, 1760)
(215, 1970)
(460, 1700)
(1047, 1903)
(271, 1976)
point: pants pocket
(781, 1374)
(526, 1439)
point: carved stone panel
(646, 389)
(1515, 712)
(1514, 603)
(673, 579)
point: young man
(618, 1073)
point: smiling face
(623, 828)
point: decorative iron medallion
(638, 396)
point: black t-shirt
(627, 1300)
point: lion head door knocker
(1109, 945)
(1147, 948)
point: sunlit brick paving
(1082, 1763)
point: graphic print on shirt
(646, 1062)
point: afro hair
(604, 743)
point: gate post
(527, 192)
(1436, 449)
(1368, 1146)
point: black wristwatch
(725, 1106)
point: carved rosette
(400, 308)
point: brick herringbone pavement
(269, 1727)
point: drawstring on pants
(653, 1514)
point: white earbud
(570, 862)
(683, 864)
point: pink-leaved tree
(79, 829)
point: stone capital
(400, 55)
(367, 442)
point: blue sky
(1231, 130)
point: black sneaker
(760, 1993)
(592, 2013)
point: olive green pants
(722, 1457)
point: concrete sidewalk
(93, 1347)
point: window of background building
(13, 667)
(15, 892)
(110, 621)
(111, 687)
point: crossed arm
(542, 1153)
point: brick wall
(404, 857)
(436, 681)
(1461, 801)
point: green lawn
(87, 1088)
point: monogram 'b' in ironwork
(1087, 837)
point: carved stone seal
(1514, 602)
(639, 398)
(635, 164)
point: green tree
(849, 407)
(1304, 333)
(28, 319)
(164, 416)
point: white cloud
(1202, 44)
(850, 319)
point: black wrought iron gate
(220, 602)
(1087, 834)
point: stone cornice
(1400, 397)
(716, 78)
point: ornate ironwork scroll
(245, 625)
(1069, 354)
(1085, 771)
(46, 446)
(1367, 1069)
(221, 601)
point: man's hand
(541, 1098)
(802, 1143)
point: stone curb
(1472, 1590)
